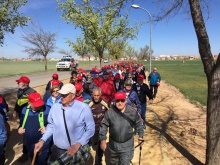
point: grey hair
(97, 89)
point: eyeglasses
(117, 101)
(62, 95)
(56, 91)
(129, 77)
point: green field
(188, 77)
(10, 68)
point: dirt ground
(175, 132)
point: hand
(140, 141)
(14, 114)
(21, 130)
(151, 101)
(73, 149)
(42, 130)
(103, 145)
(38, 146)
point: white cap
(67, 88)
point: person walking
(33, 124)
(99, 107)
(143, 91)
(21, 102)
(154, 81)
(55, 81)
(3, 138)
(71, 124)
(55, 96)
(121, 119)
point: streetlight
(138, 7)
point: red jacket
(98, 81)
(108, 90)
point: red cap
(79, 78)
(110, 72)
(35, 99)
(78, 86)
(84, 72)
(23, 79)
(80, 70)
(133, 70)
(55, 83)
(117, 76)
(140, 77)
(93, 69)
(55, 76)
(120, 96)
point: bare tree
(39, 42)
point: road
(9, 85)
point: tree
(197, 8)
(116, 48)
(144, 53)
(130, 51)
(10, 17)
(80, 47)
(40, 42)
(100, 21)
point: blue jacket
(133, 100)
(50, 101)
(3, 134)
(86, 98)
(154, 78)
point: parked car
(105, 60)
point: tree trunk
(100, 58)
(45, 63)
(212, 71)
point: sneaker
(23, 158)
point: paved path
(8, 84)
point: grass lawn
(188, 77)
(10, 68)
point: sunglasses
(56, 91)
(129, 77)
(62, 95)
(117, 101)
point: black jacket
(142, 91)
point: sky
(173, 37)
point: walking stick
(140, 155)
(33, 160)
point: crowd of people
(61, 126)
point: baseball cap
(128, 82)
(140, 77)
(55, 76)
(67, 88)
(35, 99)
(80, 69)
(120, 96)
(78, 86)
(23, 79)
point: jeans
(143, 111)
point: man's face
(128, 87)
(140, 81)
(97, 75)
(35, 109)
(120, 104)
(155, 70)
(21, 85)
(67, 99)
(105, 77)
(96, 96)
(139, 69)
